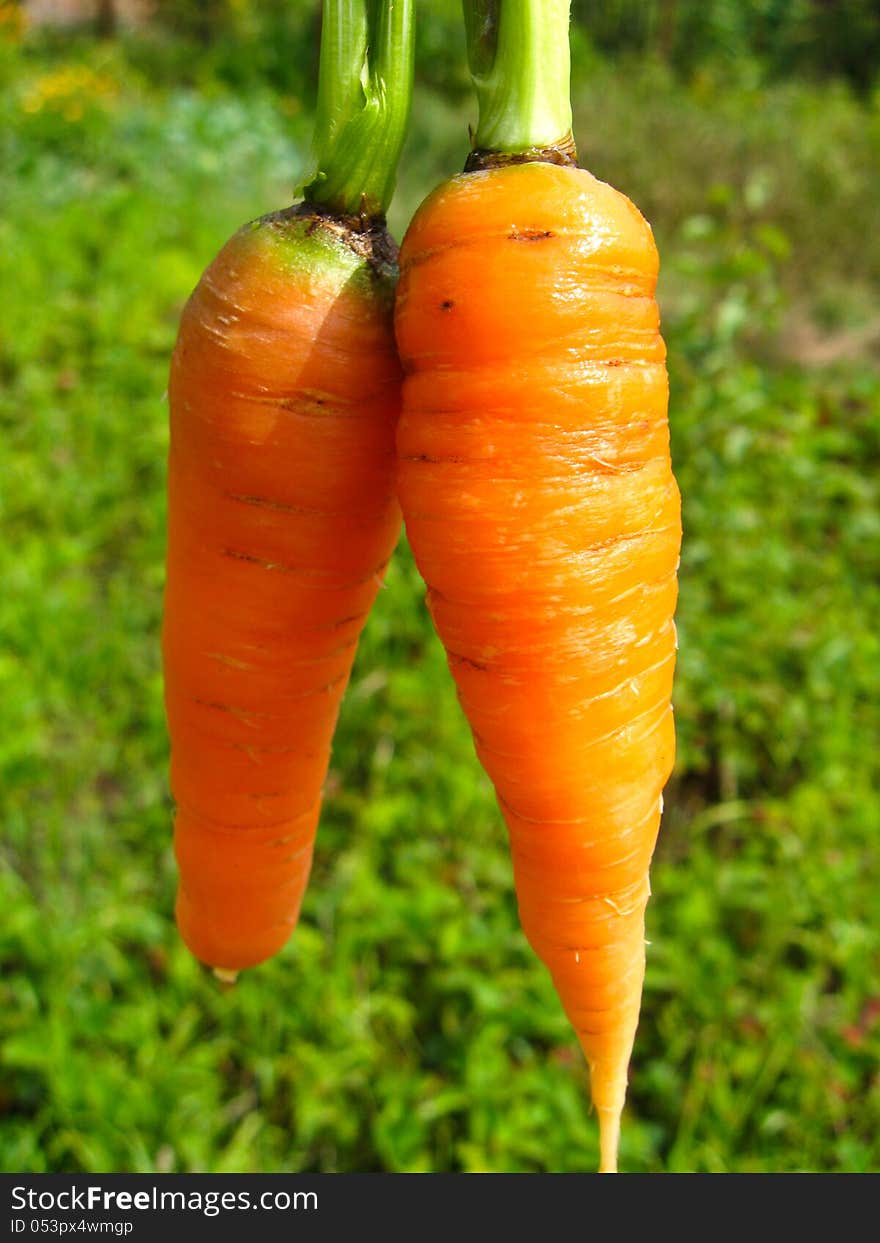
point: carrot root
(536, 486)
(284, 394)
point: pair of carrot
(510, 395)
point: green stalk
(364, 95)
(520, 63)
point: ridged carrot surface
(535, 481)
(284, 393)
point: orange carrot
(284, 394)
(536, 487)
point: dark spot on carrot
(457, 659)
(530, 235)
(447, 305)
(343, 621)
(426, 457)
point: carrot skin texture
(536, 487)
(284, 394)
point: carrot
(284, 394)
(535, 482)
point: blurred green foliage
(407, 1026)
(772, 38)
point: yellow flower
(69, 91)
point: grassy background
(407, 1026)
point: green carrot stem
(364, 95)
(520, 63)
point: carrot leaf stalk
(520, 64)
(364, 95)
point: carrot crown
(364, 94)
(520, 65)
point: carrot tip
(225, 976)
(609, 1138)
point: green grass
(407, 1026)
